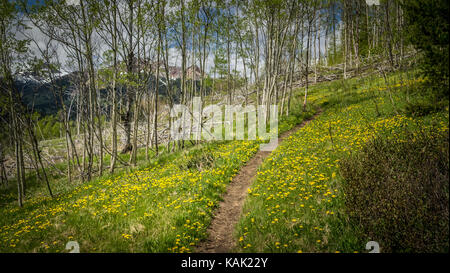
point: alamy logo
(235, 123)
(73, 247)
(373, 246)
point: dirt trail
(220, 232)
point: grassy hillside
(300, 199)
(297, 203)
(163, 206)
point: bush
(197, 159)
(420, 109)
(428, 31)
(397, 189)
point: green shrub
(397, 189)
(420, 109)
(197, 159)
(428, 26)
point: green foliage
(197, 159)
(428, 32)
(49, 126)
(420, 109)
(397, 189)
(220, 63)
(421, 101)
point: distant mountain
(37, 95)
(36, 91)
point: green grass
(297, 202)
(160, 208)
(164, 205)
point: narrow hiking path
(220, 232)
